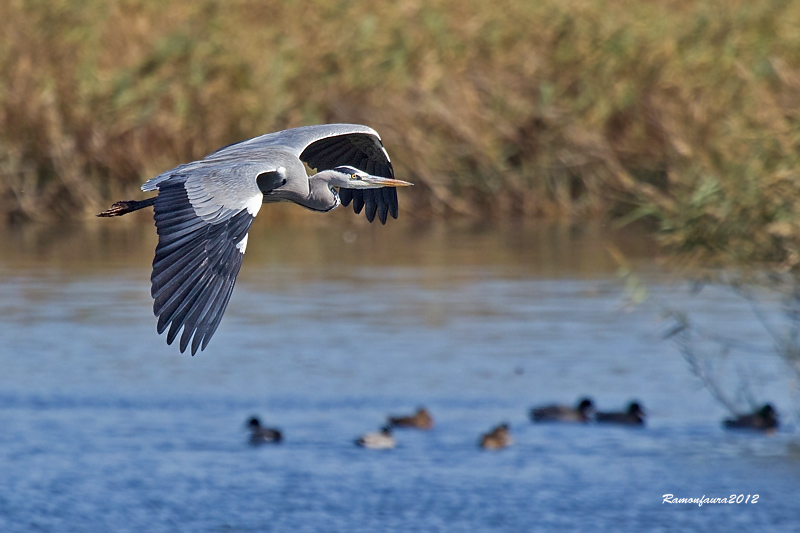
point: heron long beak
(385, 182)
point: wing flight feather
(195, 265)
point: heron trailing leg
(126, 206)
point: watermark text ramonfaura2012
(733, 498)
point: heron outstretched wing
(202, 237)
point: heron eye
(353, 176)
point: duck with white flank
(382, 440)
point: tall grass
(684, 112)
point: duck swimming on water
(582, 412)
(422, 419)
(498, 438)
(633, 416)
(764, 419)
(382, 440)
(261, 435)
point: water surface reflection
(535, 248)
(329, 330)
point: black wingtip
(358, 201)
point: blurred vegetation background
(683, 113)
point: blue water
(105, 428)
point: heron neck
(321, 197)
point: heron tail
(126, 206)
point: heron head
(353, 178)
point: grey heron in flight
(204, 209)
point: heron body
(564, 413)
(203, 211)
